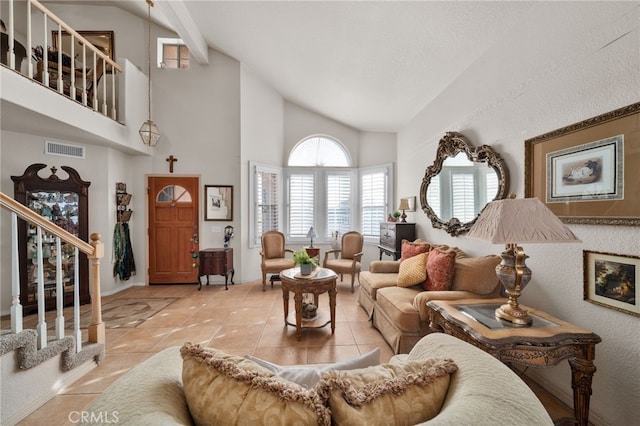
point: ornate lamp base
(514, 314)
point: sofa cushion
(372, 282)
(440, 270)
(476, 274)
(413, 270)
(403, 393)
(409, 249)
(397, 303)
(252, 394)
(308, 376)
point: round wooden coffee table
(320, 281)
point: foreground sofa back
(482, 392)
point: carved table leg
(581, 375)
(297, 297)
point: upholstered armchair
(350, 254)
(273, 255)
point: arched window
(319, 151)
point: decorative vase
(306, 268)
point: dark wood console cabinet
(391, 236)
(216, 261)
(65, 203)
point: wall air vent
(64, 149)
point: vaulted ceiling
(372, 65)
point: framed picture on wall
(218, 202)
(611, 280)
(585, 172)
(102, 40)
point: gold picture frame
(611, 280)
(218, 202)
(102, 40)
(607, 145)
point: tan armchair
(350, 254)
(273, 255)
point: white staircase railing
(93, 250)
(58, 70)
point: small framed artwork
(218, 202)
(102, 40)
(610, 280)
(412, 203)
(584, 173)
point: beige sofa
(400, 313)
(483, 391)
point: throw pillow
(440, 270)
(403, 393)
(476, 274)
(410, 249)
(228, 389)
(413, 270)
(307, 377)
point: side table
(322, 280)
(216, 261)
(543, 344)
(313, 252)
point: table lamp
(512, 221)
(404, 205)
(311, 234)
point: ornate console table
(543, 344)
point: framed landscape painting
(611, 280)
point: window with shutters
(266, 199)
(375, 185)
(321, 190)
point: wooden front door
(173, 229)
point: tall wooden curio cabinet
(64, 202)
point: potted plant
(396, 215)
(301, 258)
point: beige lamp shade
(404, 204)
(520, 220)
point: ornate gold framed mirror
(460, 182)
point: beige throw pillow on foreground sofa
(227, 389)
(403, 393)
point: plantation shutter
(301, 204)
(373, 202)
(266, 202)
(338, 203)
(463, 191)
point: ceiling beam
(180, 19)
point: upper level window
(319, 151)
(172, 53)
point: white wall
(566, 63)
(262, 142)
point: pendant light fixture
(149, 131)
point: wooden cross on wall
(171, 159)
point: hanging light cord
(149, 4)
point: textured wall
(567, 62)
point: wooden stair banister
(93, 250)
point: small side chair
(350, 254)
(273, 255)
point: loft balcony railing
(90, 82)
(93, 250)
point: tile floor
(242, 320)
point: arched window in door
(173, 194)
